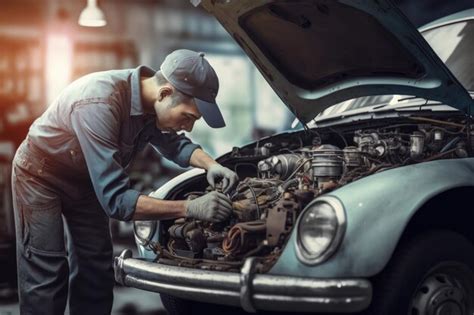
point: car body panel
(379, 111)
(419, 71)
(378, 209)
(144, 252)
(162, 193)
(450, 19)
(164, 190)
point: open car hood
(316, 53)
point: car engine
(290, 173)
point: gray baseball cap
(190, 73)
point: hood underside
(316, 53)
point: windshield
(454, 44)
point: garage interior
(43, 48)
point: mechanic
(71, 168)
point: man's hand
(212, 207)
(217, 172)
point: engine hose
(450, 144)
(296, 170)
(256, 201)
(253, 226)
(232, 242)
(237, 236)
(436, 121)
(439, 155)
(254, 251)
(288, 184)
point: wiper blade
(419, 105)
(410, 98)
(389, 104)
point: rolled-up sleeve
(175, 147)
(97, 127)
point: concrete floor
(127, 301)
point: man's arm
(212, 207)
(182, 151)
(175, 147)
(148, 208)
(201, 159)
(215, 171)
(97, 129)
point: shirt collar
(137, 106)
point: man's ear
(164, 91)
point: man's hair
(177, 97)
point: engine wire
(435, 121)
(340, 135)
(256, 200)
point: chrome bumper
(249, 290)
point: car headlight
(321, 227)
(144, 230)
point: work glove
(217, 172)
(213, 207)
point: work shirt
(96, 126)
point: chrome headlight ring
(320, 229)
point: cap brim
(211, 113)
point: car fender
(378, 208)
(162, 193)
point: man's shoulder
(109, 78)
(103, 84)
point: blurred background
(43, 48)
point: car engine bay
(281, 175)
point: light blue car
(369, 208)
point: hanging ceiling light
(92, 15)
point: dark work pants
(44, 196)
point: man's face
(176, 117)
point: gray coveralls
(71, 167)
